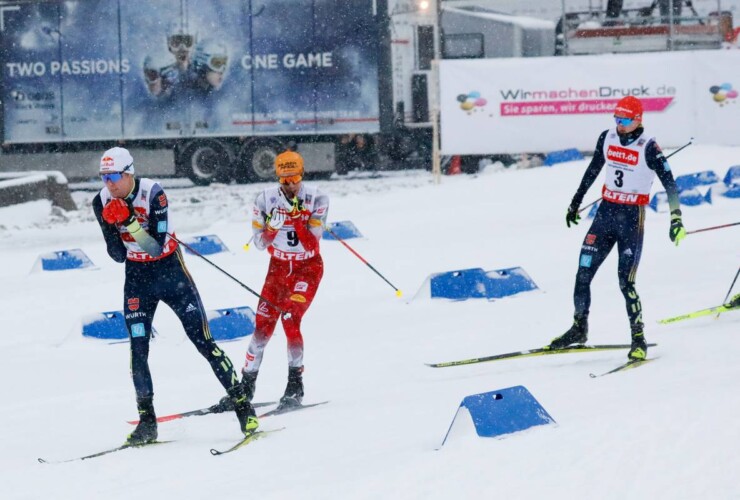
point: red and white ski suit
(295, 269)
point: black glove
(572, 216)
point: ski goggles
(217, 63)
(291, 179)
(151, 75)
(114, 177)
(624, 122)
(177, 41)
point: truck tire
(257, 161)
(206, 160)
(470, 164)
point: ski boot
(227, 403)
(224, 404)
(248, 422)
(249, 382)
(294, 390)
(638, 350)
(576, 334)
(734, 302)
(146, 430)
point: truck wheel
(205, 161)
(257, 162)
(470, 164)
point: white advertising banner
(542, 104)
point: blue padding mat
(64, 260)
(205, 245)
(732, 176)
(343, 229)
(733, 191)
(459, 285)
(506, 282)
(690, 181)
(477, 283)
(659, 201)
(109, 325)
(562, 156)
(231, 323)
(505, 411)
(593, 210)
(692, 197)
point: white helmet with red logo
(117, 160)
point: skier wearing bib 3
(632, 159)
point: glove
(572, 216)
(677, 231)
(297, 208)
(276, 219)
(292, 207)
(118, 211)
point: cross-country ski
(633, 363)
(541, 351)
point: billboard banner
(531, 105)
(135, 69)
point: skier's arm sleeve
(263, 237)
(657, 162)
(113, 242)
(310, 233)
(152, 239)
(592, 172)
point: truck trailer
(212, 88)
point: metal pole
(436, 161)
(565, 29)
(670, 24)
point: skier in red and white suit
(288, 221)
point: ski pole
(592, 203)
(712, 228)
(285, 314)
(398, 292)
(691, 141)
(730, 290)
(246, 245)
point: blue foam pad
(659, 200)
(692, 197)
(109, 325)
(594, 209)
(459, 285)
(506, 282)
(505, 411)
(64, 260)
(732, 176)
(562, 156)
(733, 191)
(205, 245)
(231, 323)
(343, 229)
(690, 181)
(475, 283)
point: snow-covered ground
(665, 430)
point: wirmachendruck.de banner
(491, 106)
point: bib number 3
(619, 181)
